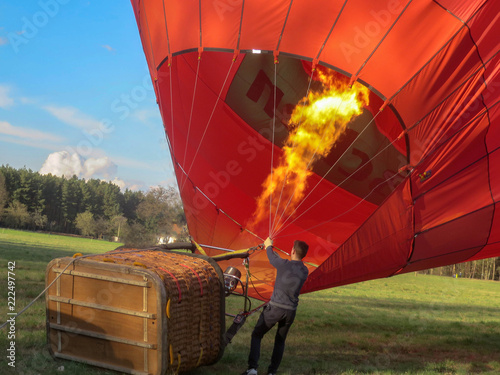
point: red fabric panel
(365, 254)
(465, 232)
(441, 260)
(451, 155)
(495, 226)
(493, 136)
(489, 251)
(463, 193)
(452, 115)
(494, 164)
(492, 82)
(463, 9)
(485, 28)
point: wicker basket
(140, 312)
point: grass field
(403, 325)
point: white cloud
(63, 163)
(27, 133)
(3, 41)
(74, 117)
(131, 185)
(5, 100)
(108, 47)
(144, 115)
(94, 167)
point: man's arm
(274, 258)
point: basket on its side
(134, 311)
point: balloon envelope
(412, 183)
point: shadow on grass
(368, 335)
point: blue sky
(76, 95)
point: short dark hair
(300, 248)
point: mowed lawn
(409, 324)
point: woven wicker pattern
(193, 308)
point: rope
(272, 146)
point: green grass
(403, 325)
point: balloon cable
(311, 161)
(288, 168)
(283, 226)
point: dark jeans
(268, 318)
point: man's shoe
(250, 371)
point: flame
(316, 123)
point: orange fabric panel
(220, 23)
(183, 24)
(423, 27)
(262, 23)
(157, 34)
(351, 43)
(307, 28)
(444, 75)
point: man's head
(300, 248)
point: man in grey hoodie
(291, 275)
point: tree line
(483, 269)
(94, 208)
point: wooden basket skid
(139, 312)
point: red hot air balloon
(410, 180)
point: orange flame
(317, 122)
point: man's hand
(268, 242)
